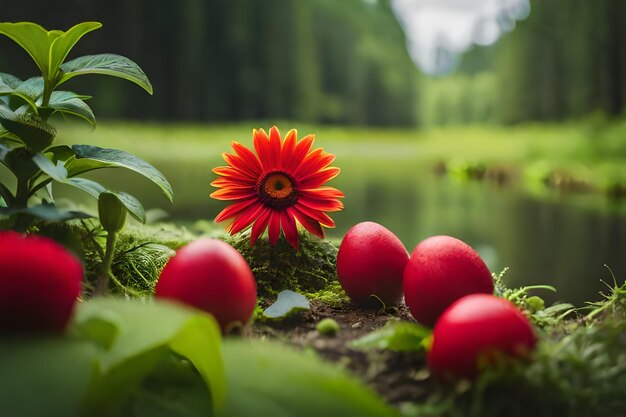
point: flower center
(277, 190)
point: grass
(595, 151)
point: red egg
(475, 331)
(39, 284)
(211, 275)
(370, 262)
(441, 270)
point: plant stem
(47, 93)
(102, 284)
(22, 192)
(22, 221)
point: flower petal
(289, 146)
(322, 193)
(316, 215)
(314, 161)
(246, 218)
(302, 149)
(290, 230)
(248, 156)
(234, 209)
(259, 225)
(275, 145)
(274, 227)
(240, 165)
(321, 204)
(318, 178)
(233, 193)
(232, 182)
(229, 172)
(262, 147)
(309, 223)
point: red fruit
(370, 261)
(211, 275)
(476, 330)
(441, 270)
(39, 284)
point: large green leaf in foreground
(268, 379)
(117, 354)
(44, 376)
(135, 335)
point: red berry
(211, 275)
(370, 261)
(39, 284)
(441, 270)
(476, 330)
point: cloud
(438, 30)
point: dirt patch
(396, 376)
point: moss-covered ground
(578, 369)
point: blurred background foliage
(538, 116)
(341, 62)
(316, 60)
(567, 60)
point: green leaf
(268, 379)
(402, 336)
(11, 88)
(63, 44)
(90, 187)
(47, 211)
(116, 355)
(287, 302)
(59, 173)
(135, 339)
(33, 88)
(56, 172)
(10, 80)
(47, 48)
(173, 388)
(134, 207)
(73, 104)
(55, 371)
(90, 157)
(34, 132)
(107, 64)
(34, 39)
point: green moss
(141, 252)
(327, 327)
(332, 295)
(280, 267)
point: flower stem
(102, 284)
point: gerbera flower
(281, 184)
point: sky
(438, 31)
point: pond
(542, 239)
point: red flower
(39, 284)
(279, 186)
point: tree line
(220, 60)
(566, 60)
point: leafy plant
(401, 336)
(117, 354)
(268, 379)
(26, 137)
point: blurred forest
(566, 61)
(341, 62)
(308, 60)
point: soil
(397, 376)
